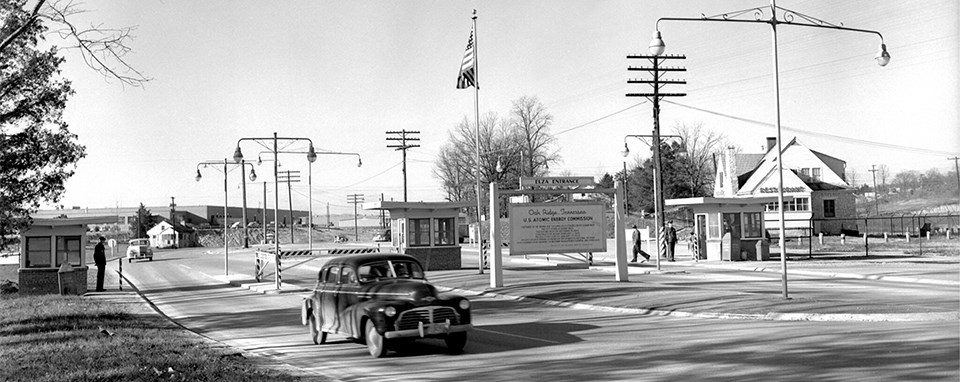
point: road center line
(515, 335)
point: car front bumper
(428, 330)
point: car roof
(357, 260)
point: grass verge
(71, 338)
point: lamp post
(658, 207)
(226, 227)
(311, 157)
(310, 182)
(789, 17)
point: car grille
(428, 315)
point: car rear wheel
(316, 335)
(376, 344)
(456, 341)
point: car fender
(306, 309)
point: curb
(772, 316)
(900, 279)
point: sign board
(557, 228)
(557, 181)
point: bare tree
(455, 166)
(700, 145)
(103, 49)
(883, 172)
(852, 176)
(530, 126)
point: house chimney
(771, 143)
(732, 169)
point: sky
(343, 73)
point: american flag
(468, 70)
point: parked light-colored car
(139, 249)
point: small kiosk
(729, 228)
(425, 230)
(53, 256)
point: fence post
(843, 238)
(928, 235)
(908, 236)
(948, 234)
(120, 271)
(821, 238)
(885, 238)
(866, 245)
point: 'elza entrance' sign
(557, 181)
(557, 228)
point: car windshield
(138, 242)
(391, 269)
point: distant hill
(913, 201)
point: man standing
(100, 259)
(671, 240)
(636, 246)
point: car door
(348, 300)
(328, 300)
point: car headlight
(464, 304)
(390, 311)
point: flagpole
(476, 110)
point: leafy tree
(145, 221)
(675, 182)
(37, 151)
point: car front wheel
(316, 335)
(456, 342)
(375, 342)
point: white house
(816, 183)
(166, 235)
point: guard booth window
(38, 252)
(419, 235)
(68, 250)
(446, 232)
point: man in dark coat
(671, 240)
(636, 246)
(100, 259)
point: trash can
(66, 279)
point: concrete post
(496, 251)
(843, 239)
(908, 237)
(886, 238)
(820, 235)
(620, 227)
(928, 235)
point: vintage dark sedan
(380, 299)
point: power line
(601, 118)
(815, 134)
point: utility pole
(956, 168)
(403, 146)
(289, 177)
(876, 192)
(355, 199)
(657, 83)
(173, 220)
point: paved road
(535, 340)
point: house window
(800, 204)
(38, 252)
(68, 250)
(752, 224)
(829, 208)
(805, 172)
(714, 225)
(816, 173)
(419, 234)
(721, 180)
(446, 232)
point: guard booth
(53, 256)
(425, 230)
(729, 229)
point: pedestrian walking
(671, 240)
(636, 246)
(100, 259)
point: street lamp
(238, 157)
(226, 227)
(789, 17)
(311, 154)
